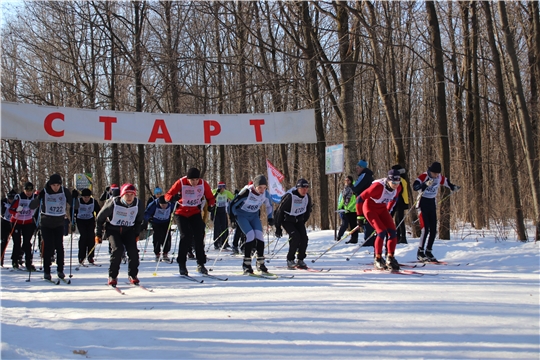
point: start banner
(61, 124)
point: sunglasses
(396, 182)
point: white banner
(275, 177)
(60, 124)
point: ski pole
(9, 237)
(274, 255)
(146, 243)
(86, 258)
(71, 241)
(340, 240)
(175, 243)
(360, 245)
(214, 242)
(222, 247)
(33, 251)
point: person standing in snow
(6, 223)
(428, 183)
(245, 210)
(157, 193)
(188, 191)
(86, 223)
(401, 205)
(375, 204)
(219, 215)
(110, 192)
(347, 203)
(23, 220)
(364, 180)
(292, 213)
(159, 213)
(53, 202)
(122, 216)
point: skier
(375, 204)
(347, 202)
(401, 205)
(157, 193)
(364, 180)
(159, 213)
(6, 222)
(245, 211)
(110, 192)
(55, 200)
(122, 216)
(218, 215)
(187, 191)
(429, 183)
(292, 213)
(23, 220)
(86, 223)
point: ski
(140, 287)
(57, 282)
(409, 266)
(305, 269)
(436, 263)
(215, 277)
(68, 281)
(77, 268)
(190, 278)
(397, 272)
(116, 289)
(261, 276)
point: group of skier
(366, 202)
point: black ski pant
(161, 238)
(298, 242)
(221, 225)
(53, 240)
(191, 234)
(86, 239)
(5, 230)
(119, 240)
(25, 231)
(239, 237)
(428, 223)
(351, 221)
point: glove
(271, 221)
(212, 209)
(233, 224)
(73, 227)
(429, 182)
(41, 195)
(137, 239)
(360, 221)
(108, 188)
(456, 188)
(98, 240)
(279, 232)
(19, 208)
(75, 194)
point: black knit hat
(162, 199)
(435, 167)
(394, 175)
(55, 179)
(259, 180)
(302, 183)
(11, 194)
(399, 168)
(29, 186)
(86, 192)
(193, 173)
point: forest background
(395, 82)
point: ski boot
(301, 264)
(246, 266)
(61, 274)
(133, 280)
(391, 263)
(421, 256)
(430, 257)
(291, 265)
(261, 266)
(379, 263)
(112, 281)
(183, 269)
(201, 269)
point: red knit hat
(128, 189)
(221, 184)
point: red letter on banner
(48, 124)
(211, 128)
(257, 123)
(108, 120)
(159, 124)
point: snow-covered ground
(487, 307)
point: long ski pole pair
(220, 250)
(337, 242)
(275, 253)
(216, 239)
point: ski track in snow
(487, 307)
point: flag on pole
(275, 177)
